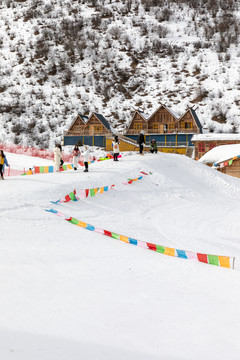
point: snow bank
(68, 293)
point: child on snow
(115, 145)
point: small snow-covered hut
(225, 158)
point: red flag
(202, 258)
(108, 233)
(67, 198)
(87, 192)
(152, 246)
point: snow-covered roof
(220, 154)
(84, 118)
(145, 116)
(171, 112)
(213, 136)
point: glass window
(138, 126)
(97, 128)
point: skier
(115, 145)
(141, 142)
(76, 154)
(86, 155)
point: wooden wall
(77, 127)
(232, 170)
(138, 124)
(202, 147)
(94, 127)
(187, 123)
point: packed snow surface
(68, 293)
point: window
(97, 128)
(138, 126)
(201, 147)
(155, 126)
(188, 125)
(171, 126)
(212, 145)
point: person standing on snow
(76, 154)
(86, 155)
(3, 161)
(115, 145)
(57, 157)
(141, 142)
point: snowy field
(68, 293)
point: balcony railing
(156, 131)
(85, 133)
(170, 143)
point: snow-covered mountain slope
(69, 293)
(60, 58)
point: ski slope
(68, 293)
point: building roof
(84, 118)
(102, 119)
(213, 136)
(195, 117)
(145, 116)
(220, 154)
(168, 109)
(199, 125)
(171, 112)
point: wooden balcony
(86, 133)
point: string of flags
(64, 167)
(84, 193)
(222, 261)
(227, 162)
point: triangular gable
(102, 120)
(141, 114)
(194, 117)
(81, 118)
(174, 115)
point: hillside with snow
(70, 293)
(60, 58)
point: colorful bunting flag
(85, 193)
(223, 261)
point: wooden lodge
(205, 142)
(172, 132)
(163, 121)
(95, 124)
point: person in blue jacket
(3, 162)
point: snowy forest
(60, 58)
